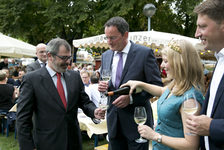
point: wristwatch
(159, 139)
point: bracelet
(131, 99)
(159, 139)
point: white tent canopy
(146, 38)
(11, 47)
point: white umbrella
(11, 47)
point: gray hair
(214, 9)
(54, 45)
(118, 22)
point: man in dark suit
(138, 63)
(210, 29)
(4, 64)
(53, 94)
(41, 58)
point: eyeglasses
(65, 58)
(111, 38)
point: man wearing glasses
(127, 61)
(41, 58)
(53, 94)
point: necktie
(119, 70)
(61, 90)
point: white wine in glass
(190, 106)
(106, 74)
(140, 117)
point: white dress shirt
(116, 59)
(217, 76)
(54, 78)
(41, 63)
(94, 94)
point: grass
(9, 143)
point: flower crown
(174, 46)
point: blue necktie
(119, 70)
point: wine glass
(190, 106)
(105, 76)
(103, 101)
(140, 117)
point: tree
(41, 20)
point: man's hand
(199, 124)
(103, 86)
(122, 101)
(99, 113)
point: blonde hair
(185, 67)
(2, 75)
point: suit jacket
(33, 66)
(216, 138)
(140, 65)
(55, 127)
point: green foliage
(41, 20)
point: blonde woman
(184, 69)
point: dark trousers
(120, 142)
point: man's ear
(222, 26)
(49, 55)
(126, 35)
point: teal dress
(169, 118)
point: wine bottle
(123, 91)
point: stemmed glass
(103, 101)
(190, 106)
(140, 117)
(105, 75)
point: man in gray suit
(41, 58)
(127, 61)
(53, 94)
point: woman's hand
(132, 84)
(147, 132)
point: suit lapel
(37, 64)
(109, 60)
(219, 93)
(129, 60)
(107, 63)
(49, 86)
(69, 87)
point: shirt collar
(51, 71)
(126, 48)
(40, 61)
(220, 54)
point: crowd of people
(51, 90)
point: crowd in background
(90, 77)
